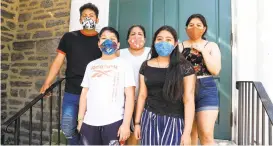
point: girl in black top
(165, 106)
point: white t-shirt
(136, 62)
(106, 80)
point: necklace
(159, 65)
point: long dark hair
(173, 87)
(202, 19)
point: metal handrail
(16, 118)
(251, 95)
(29, 105)
(266, 101)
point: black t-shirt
(154, 80)
(79, 49)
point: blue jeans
(69, 122)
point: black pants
(100, 135)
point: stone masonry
(30, 33)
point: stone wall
(9, 17)
(31, 31)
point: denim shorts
(207, 97)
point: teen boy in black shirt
(79, 48)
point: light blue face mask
(108, 47)
(164, 48)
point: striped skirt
(160, 130)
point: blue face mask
(164, 48)
(108, 47)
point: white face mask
(88, 23)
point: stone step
(224, 142)
(63, 140)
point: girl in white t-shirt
(107, 98)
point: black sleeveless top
(197, 60)
(154, 80)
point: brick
(9, 1)
(61, 14)
(3, 95)
(38, 12)
(32, 72)
(11, 25)
(34, 25)
(23, 36)
(14, 92)
(24, 17)
(5, 39)
(7, 14)
(4, 56)
(3, 86)
(42, 17)
(42, 34)
(22, 93)
(20, 83)
(4, 67)
(17, 56)
(33, 3)
(52, 23)
(13, 70)
(22, 46)
(44, 64)
(29, 53)
(24, 64)
(8, 34)
(37, 58)
(46, 4)
(47, 46)
(2, 46)
(15, 102)
(4, 76)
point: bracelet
(137, 123)
(80, 119)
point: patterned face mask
(88, 23)
(136, 42)
(108, 47)
(164, 48)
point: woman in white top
(135, 54)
